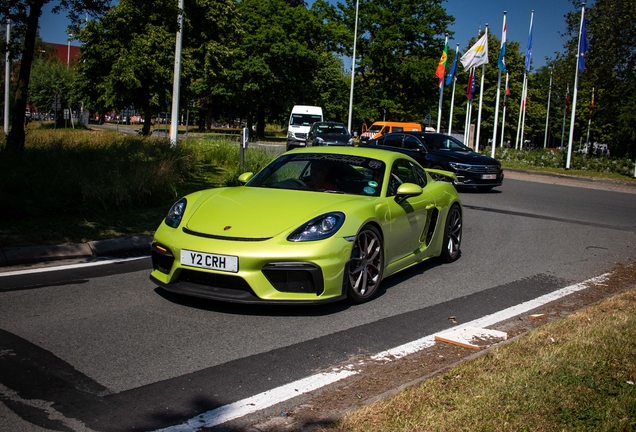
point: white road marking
(69, 266)
(260, 401)
(277, 395)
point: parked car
(317, 224)
(328, 134)
(444, 152)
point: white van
(300, 121)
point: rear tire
(366, 265)
(452, 235)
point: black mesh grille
(214, 280)
(295, 281)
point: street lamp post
(68, 53)
(7, 75)
(353, 67)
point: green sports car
(318, 224)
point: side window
(403, 171)
(397, 129)
(411, 143)
(421, 176)
(393, 140)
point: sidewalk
(35, 254)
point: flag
(501, 63)
(471, 85)
(477, 55)
(453, 70)
(441, 66)
(582, 45)
(506, 96)
(592, 104)
(567, 101)
(529, 48)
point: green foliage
(50, 76)
(77, 171)
(547, 158)
(398, 46)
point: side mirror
(407, 190)
(245, 177)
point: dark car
(433, 150)
(328, 134)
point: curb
(32, 254)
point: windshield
(304, 119)
(331, 129)
(323, 173)
(375, 128)
(445, 142)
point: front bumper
(298, 273)
(471, 178)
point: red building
(63, 52)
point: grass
(574, 374)
(72, 186)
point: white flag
(477, 55)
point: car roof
(329, 123)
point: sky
(470, 15)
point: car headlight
(319, 141)
(460, 166)
(176, 213)
(319, 228)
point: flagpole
(450, 122)
(503, 117)
(502, 51)
(547, 116)
(523, 118)
(589, 122)
(575, 94)
(521, 108)
(481, 99)
(441, 86)
(565, 113)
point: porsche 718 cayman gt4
(315, 225)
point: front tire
(366, 265)
(452, 235)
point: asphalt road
(102, 348)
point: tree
(49, 76)
(398, 47)
(25, 15)
(610, 69)
(281, 59)
(128, 56)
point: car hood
(472, 158)
(257, 213)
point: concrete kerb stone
(30, 254)
(118, 245)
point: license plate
(209, 261)
(489, 176)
